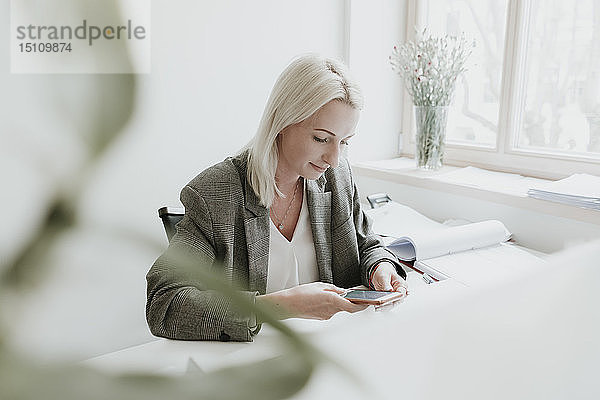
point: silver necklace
(282, 221)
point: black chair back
(170, 216)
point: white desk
(171, 357)
(535, 338)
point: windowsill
(496, 187)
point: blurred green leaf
(28, 267)
(97, 107)
(114, 103)
(103, 107)
(271, 379)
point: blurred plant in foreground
(105, 109)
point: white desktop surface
(535, 337)
(166, 356)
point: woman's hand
(315, 300)
(387, 279)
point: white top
(295, 262)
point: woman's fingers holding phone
(316, 300)
(399, 285)
(387, 279)
(346, 305)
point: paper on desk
(410, 235)
(424, 244)
(395, 219)
(513, 184)
(492, 264)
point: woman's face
(309, 147)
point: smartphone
(372, 296)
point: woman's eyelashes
(326, 140)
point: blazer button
(223, 337)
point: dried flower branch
(430, 66)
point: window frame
(504, 156)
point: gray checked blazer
(225, 222)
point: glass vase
(431, 134)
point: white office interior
(213, 64)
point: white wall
(376, 26)
(213, 65)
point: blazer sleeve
(178, 306)
(370, 246)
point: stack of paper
(581, 190)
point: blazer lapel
(319, 208)
(256, 225)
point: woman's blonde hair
(306, 85)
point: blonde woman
(282, 219)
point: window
(530, 101)
(474, 116)
(562, 79)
